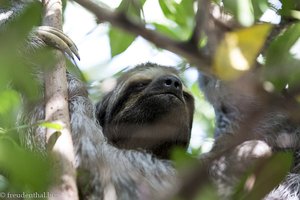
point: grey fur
(103, 170)
(10, 9)
(233, 104)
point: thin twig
(185, 49)
(199, 23)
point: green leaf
(23, 168)
(188, 8)
(287, 7)
(2, 130)
(181, 159)
(55, 126)
(19, 28)
(119, 41)
(246, 11)
(9, 106)
(13, 68)
(282, 67)
(207, 192)
(184, 15)
(9, 100)
(132, 8)
(259, 7)
(181, 15)
(241, 10)
(168, 31)
(168, 8)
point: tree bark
(56, 98)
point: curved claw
(56, 38)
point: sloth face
(149, 109)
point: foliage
(282, 62)
(264, 177)
(246, 12)
(237, 53)
(23, 170)
(119, 40)
(250, 42)
(180, 17)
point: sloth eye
(138, 86)
(141, 84)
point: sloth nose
(172, 83)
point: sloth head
(149, 109)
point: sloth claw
(56, 38)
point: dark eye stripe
(132, 88)
(138, 86)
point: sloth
(149, 109)
(148, 114)
(143, 118)
(117, 166)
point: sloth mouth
(177, 96)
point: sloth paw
(55, 38)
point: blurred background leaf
(238, 51)
(246, 11)
(282, 65)
(118, 39)
(266, 175)
(23, 168)
(21, 171)
(180, 19)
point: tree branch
(56, 97)
(199, 22)
(185, 49)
